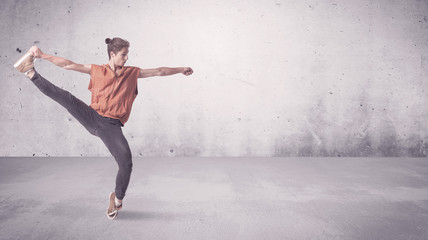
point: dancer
(114, 88)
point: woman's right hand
(37, 53)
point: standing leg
(115, 141)
(112, 136)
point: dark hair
(116, 44)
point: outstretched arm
(61, 62)
(164, 71)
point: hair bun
(108, 40)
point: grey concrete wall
(272, 78)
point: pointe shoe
(112, 210)
(25, 64)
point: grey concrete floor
(216, 198)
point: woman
(114, 88)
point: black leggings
(108, 129)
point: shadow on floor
(144, 215)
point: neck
(112, 65)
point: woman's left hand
(187, 71)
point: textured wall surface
(272, 78)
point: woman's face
(120, 57)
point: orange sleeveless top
(113, 96)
